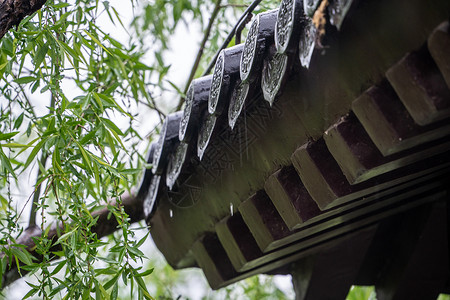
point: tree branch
(132, 205)
(214, 14)
(37, 193)
(12, 12)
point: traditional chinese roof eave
(251, 164)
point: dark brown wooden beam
(328, 186)
(263, 220)
(330, 273)
(359, 158)
(238, 242)
(389, 124)
(212, 258)
(290, 197)
(421, 87)
(438, 45)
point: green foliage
(83, 158)
(64, 82)
(361, 293)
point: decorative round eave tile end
(216, 84)
(307, 43)
(309, 7)
(237, 103)
(338, 10)
(150, 199)
(288, 17)
(159, 149)
(273, 75)
(175, 164)
(186, 113)
(167, 140)
(249, 52)
(205, 134)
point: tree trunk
(13, 11)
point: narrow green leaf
(98, 101)
(2, 66)
(15, 145)
(130, 171)
(87, 161)
(18, 121)
(114, 292)
(58, 267)
(65, 236)
(34, 152)
(31, 293)
(5, 136)
(143, 288)
(88, 137)
(146, 273)
(40, 55)
(97, 41)
(112, 281)
(110, 124)
(25, 79)
(179, 91)
(22, 255)
(97, 177)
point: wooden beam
(238, 242)
(331, 272)
(439, 45)
(328, 186)
(263, 220)
(359, 158)
(212, 258)
(388, 123)
(421, 87)
(290, 197)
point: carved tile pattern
(187, 112)
(307, 43)
(285, 22)
(272, 76)
(249, 49)
(159, 147)
(175, 164)
(237, 103)
(205, 134)
(186, 198)
(151, 196)
(215, 161)
(216, 84)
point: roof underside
(316, 153)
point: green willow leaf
(34, 152)
(40, 55)
(25, 80)
(6, 136)
(97, 41)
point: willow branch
(214, 14)
(106, 225)
(37, 193)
